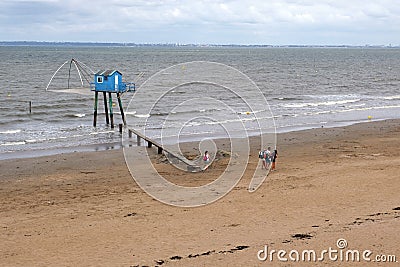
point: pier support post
(96, 97)
(159, 151)
(149, 144)
(120, 128)
(129, 133)
(106, 108)
(121, 109)
(138, 140)
(111, 110)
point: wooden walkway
(190, 165)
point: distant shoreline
(121, 44)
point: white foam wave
(393, 97)
(13, 143)
(10, 131)
(142, 115)
(316, 104)
(35, 140)
(331, 97)
(368, 108)
(355, 108)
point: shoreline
(84, 209)
(118, 145)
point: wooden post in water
(106, 108)
(30, 107)
(138, 140)
(111, 110)
(121, 109)
(120, 128)
(96, 97)
(130, 133)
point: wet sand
(84, 209)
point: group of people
(268, 158)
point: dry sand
(84, 209)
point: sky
(275, 22)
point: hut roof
(107, 72)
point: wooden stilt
(111, 110)
(130, 133)
(121, 109)
(149, 144)
(138, 140)
(120, 127)
(160, 150)
(96, 97)
(69, 72)
(106, 108)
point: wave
(393, 97)
(77, 115)
(18, 143)
(142, 115)
(52, 138)
(287, 98)
(333, 96)
(316, 104)
(368, 108)
(354, 108)
(360, 107)
(10, 131)
(161, 113)
(80, 115)
(29, 141)
(102, 132)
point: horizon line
(177, 44)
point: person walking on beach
(263, 156)
(274, 156)
(267, 157)
(206, 157)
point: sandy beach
(85, 209)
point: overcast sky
(352, 22)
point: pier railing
(123, 87)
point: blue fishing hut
(109, 81)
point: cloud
(274, 21)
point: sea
(305, 87)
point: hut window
(99, 79)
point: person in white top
(267, 157)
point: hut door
(116, 82)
